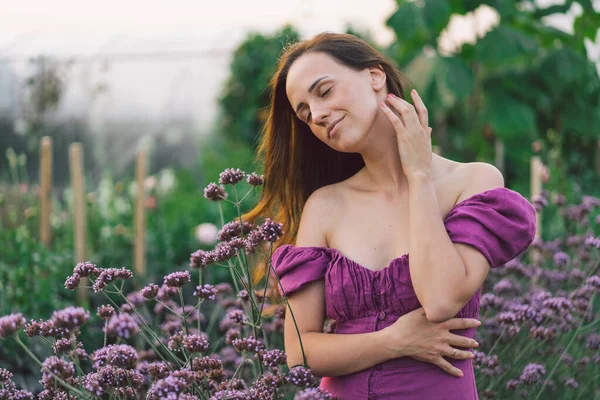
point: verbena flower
(208, 292)
(314, 394)
(214, 192)
(271, 231)
(273, 358)
(255, 180)
(301, 377)
(195, 343)
(108, 275)
(532, 373)
(72, 282)
(177, 279)
(85, 269)
(234, 229)
(10, 324)
(106, 311)
(150, 291)
(231, 176)
(123, 326)
(70, 318)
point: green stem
(577, 331)
(65, 384)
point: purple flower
(301, 377)
(561, 259)
(201, 259)
(123, 326)
(593, 281)
(10, 324)
(195, 343)
(72, 281)
(108, 275)
(231, 176)
(70, 318)
(236, 316)
(593, 242)
(314, 394)
(85, 269)
(572, 383)
(271, 231)
(150, 291)
(167, 388)
(106, 311)
(207, 292)
(539, 202)
(532, 373)
(253, 240)
(234, 229)
(255, 180)
(214, 192)
(249, 344)
(177, 279)
(273, 358)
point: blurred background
(504, 81)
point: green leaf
(509, 117)
(436, 15)
(458, 77)
(504, 45)
(562, 69)
(581, 118)
(408, 22)
(587, 25)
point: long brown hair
(296, 163)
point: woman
(345, 150)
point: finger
(421, 109)
(394, 119)
(458, 354)
(460, 323)
(449, 368)
(462, 341)
(406, 110)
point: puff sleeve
(297, 266)
(499, 223)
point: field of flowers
(209, 331)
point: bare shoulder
(477, 177)
(317, 216)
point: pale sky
(160, 87)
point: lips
(332, 126)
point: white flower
(206, 233)
(166, 181)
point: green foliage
(517, 82)
(245, 94)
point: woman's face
(338, 103)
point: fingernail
(471, 355)
(414, 92)
(478, 323)
(390, 95)
(382, 104)
(476, 344)
(461, 375)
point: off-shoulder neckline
(403, 256)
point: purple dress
(500, 223)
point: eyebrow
(310, 89)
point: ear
(377, 77)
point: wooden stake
(536, 189)
(140, 217)
(79, 215)
(45, 190)
(499, 150)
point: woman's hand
(412, 131)
(413, 335)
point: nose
(320, 115)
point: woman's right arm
(342, 354)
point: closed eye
(325, 93)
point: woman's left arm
(444, 275)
